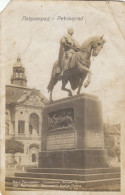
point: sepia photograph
(62, 97)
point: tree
(113, 149)
(110, 145)
(12, 146)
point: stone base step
(99, 179)
(79, 177)
(73, 171)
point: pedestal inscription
(94, 139)
(60, 141)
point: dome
(18, 62)
(18, 77)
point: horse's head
(97, 45)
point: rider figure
(68, 46)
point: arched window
(30, 129)
(33, 157)
(34, 122)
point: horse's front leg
(64, 82)
(50, 98)
(80, 85)
(89, 80)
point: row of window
(33, 158)
(19, 71)
(33, 128)
(19, 75)
(21, 128)
(33, 125)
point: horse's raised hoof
(86, 84)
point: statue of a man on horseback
(73, 64)
(68, 46)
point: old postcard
(62, 90)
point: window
(34, 122)
(21, 127)
(20, 73)
(13, 126)
(16, 75)
(30, 128)
(7, 129)
(33, 157)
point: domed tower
(18, 77)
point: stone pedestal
(72, 134)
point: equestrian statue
(73, 64)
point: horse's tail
(52, 83)
(49, 87)
(54, 77)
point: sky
(37, 43)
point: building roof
(16, 94)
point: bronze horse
(78, 67)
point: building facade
(23, 116)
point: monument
(72, 134)
(72, 131)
